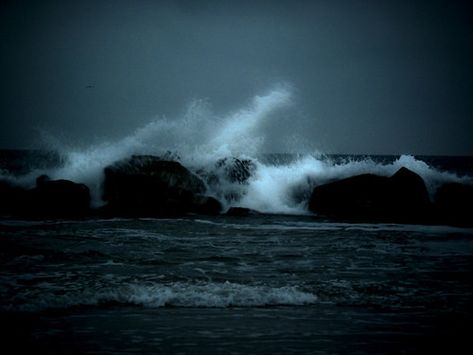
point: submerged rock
(148, 185)
(241, 212)
(402, 197)
(205, 205)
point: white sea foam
(286, 188)
(205, 295)
(200, 137)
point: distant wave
(205, 295)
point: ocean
(262, 284)
(280, 282)
(274, 283)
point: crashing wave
(203, 295)
(227, 153)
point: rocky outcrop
(354, 196)
(11, 198)
(454, 203)
(402, 197)
(57, 198)
(241, 212)
(408, 196)
(49, 199)
(148, 185)
(236, 170)
(205, 205)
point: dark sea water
(266, 284)
(272, 283)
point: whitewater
(199, 138)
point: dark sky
(367, 76)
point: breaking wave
(204, 295)
(200, 138)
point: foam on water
(200, 137)
(204, 295)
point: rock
(301, 192)
(353, 197)
(148, 185)
(408, 196)
(11, 198)
(454, 203)
(205, 205)
(40, 180)
(402, 197)
(57, 198)
(147, 168)
(241, 211)
(235, 170)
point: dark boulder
(148, 185)
(57, 198)
(353, 197)
(408, 196)
(454, 203)
(241, 212)
(42, 179)
(402, 197)
(205, 205)
(11, 198)
(146, 168)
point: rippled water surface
(263, 284)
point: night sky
(369, 77)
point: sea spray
(286, 188)
(197, 138)
(201, 140)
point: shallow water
(262, 284)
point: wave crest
(205, 295)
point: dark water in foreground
(263, 284)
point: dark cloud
(369, 76)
